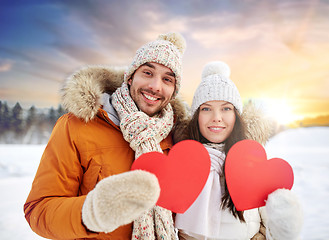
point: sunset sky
(278, 50)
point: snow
(18, 164)
(306, 149)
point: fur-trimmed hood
(82, 91)
(258, 127)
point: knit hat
(216, 85)
(167, 50)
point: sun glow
(281, 110)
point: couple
(83, 188)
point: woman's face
(216, 120)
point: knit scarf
(144, 134)
(203, 218)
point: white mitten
(119, 199)
(285, 216)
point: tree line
(33, 125)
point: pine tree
(5, 117)
(52, 116)
(17, 120)
(1, 117)
(31, 116)
(60, 111)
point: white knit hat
(216, 85)
(167, 50)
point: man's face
(151, 87)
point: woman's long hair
(238, 134)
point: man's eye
(168, 80)
(147, 73)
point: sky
(277, 49)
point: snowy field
(306, 149)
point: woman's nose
(217, 117)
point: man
(83, 188)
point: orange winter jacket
(79, 154)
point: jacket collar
(82, 93)
(109, 109)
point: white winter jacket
(232, 228)
(206, 220)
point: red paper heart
(250, 177)
(181, 175)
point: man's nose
(155, 83)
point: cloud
(5, 65)
(274, 48)
(118, 25)
(47, 64)
(280, 55)
(110, 33)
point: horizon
(307, 121)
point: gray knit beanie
(216, 85)
(167, 50)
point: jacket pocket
(91, 176)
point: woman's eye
(227, 109)
(205, 109)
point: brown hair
(238, 134)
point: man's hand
(119, 199)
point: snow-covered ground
(18, 164)
(306, 149)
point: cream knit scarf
(203, 218)
(144, 134)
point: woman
(217, 122)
